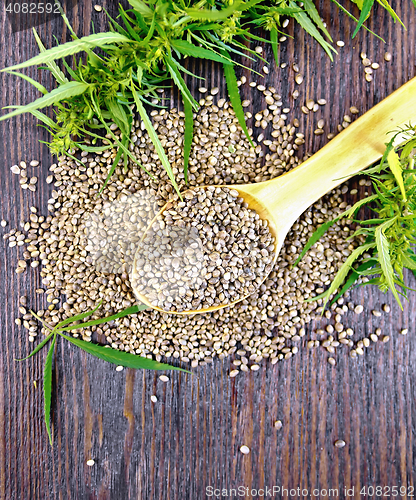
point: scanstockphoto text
(280, 492)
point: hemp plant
(143, 50)
(390, 236)
(103, 352)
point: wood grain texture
(190, 438)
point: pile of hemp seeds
(269, 324)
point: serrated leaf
(383, 251)
(47, 388)
(316, 18)
(354, 276)
(341, 7)
(113, 166)
(120, 357)
(234, 96)
(188, 49)
(119, 115)
(177, 78)
(188, 136)
(77, 317)
(44, 119)
(303, 19)
(408, 146)
(92, 149)
(69, 48)
(155, 140)
(408, 262)
(393, 161)
(345, 269)
(275, 44)
(126, 312)
(64, 91)
(365, 11)
(129, 27)
(391, 11)
(318, 233)
(216, 15)
(36, 84)
(141, 7)
(52, 66)
(351, 211)
(37, 348)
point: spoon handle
(356, 147)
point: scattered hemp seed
(340, 443)
(376, 313)
(332, 361)
(358, 309)
(34, 163)
(15, 169)
(386, 308)
(309, 104)
(90, 462)
(98, 8)
(340, 43)
(386, 338)
(164, 378)
(119, 368)
(234, 373)
(387, 56)
(153, 399)
(404, 331)
(245, 450)
(3, 223)
(354, 110)
(278, 424)
(298, 78)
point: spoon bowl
(282, 200)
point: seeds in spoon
(208, 250)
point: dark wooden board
(190, 438)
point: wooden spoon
(282, 200)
